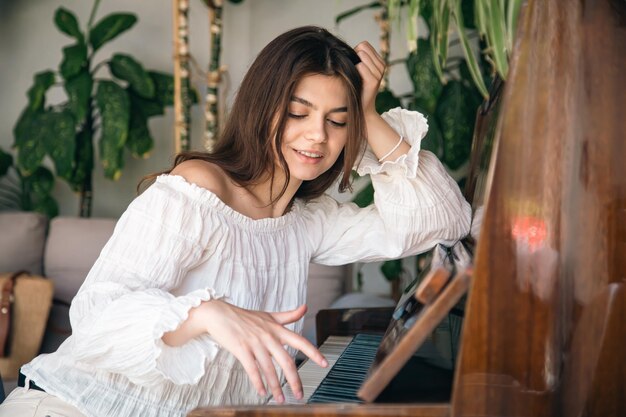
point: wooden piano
(546, 313)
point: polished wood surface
(545, 322)
(330, 410)
(545, 325)
(350, 321)
(431, 286)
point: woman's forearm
(383, 139)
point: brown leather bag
(25, 303)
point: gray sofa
(65, 249)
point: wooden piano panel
(546, 316)
(330, 410)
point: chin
(306, 173)
(305, 177)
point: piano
(545, 318)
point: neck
(267, 191)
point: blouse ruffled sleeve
(413, 127)
(416, 205)
(125, 306)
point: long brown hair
(259, 114)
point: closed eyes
(331, 121)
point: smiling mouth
(309, 154)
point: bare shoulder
(204, 174)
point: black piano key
(347, 375)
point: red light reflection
(530, 231)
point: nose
(317, 131)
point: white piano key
(311, 374)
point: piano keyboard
(349, 359)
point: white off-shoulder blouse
(178, 244)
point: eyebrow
(314, 107)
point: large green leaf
(164, 88)
(37, 93)
(128, 69)
(67, 23)
(164, 85)
(112, 159)
(139, 142)
(147, 107)
(74, 60)
(6, 161)
(20, 130)
(47, 205)
(164, 96)
(114, 107)
(84, 160)
(45, 132)
(110, 27)
(31, 148)
(365, 197)
(391, 269)
(426, 84)
(59, 141)
(456, 113)
(78, 90)
(41, 182)
(385, 100)
(433, 141)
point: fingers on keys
(258, 361)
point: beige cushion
(73, 246)
(21, 246)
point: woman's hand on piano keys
(255, 337)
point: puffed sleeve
(416, 205)
(125, 306)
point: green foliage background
(113, 111)
(444, 93)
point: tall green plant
(448, 101)
(444, 88)
(495, 21)
(112, 110)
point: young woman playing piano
(197, 298)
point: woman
(197, 299)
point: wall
(30, 43)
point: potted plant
(110, 112)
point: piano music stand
(428, 318)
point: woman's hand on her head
(372, 69)
(380, 135)
(255, 337)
